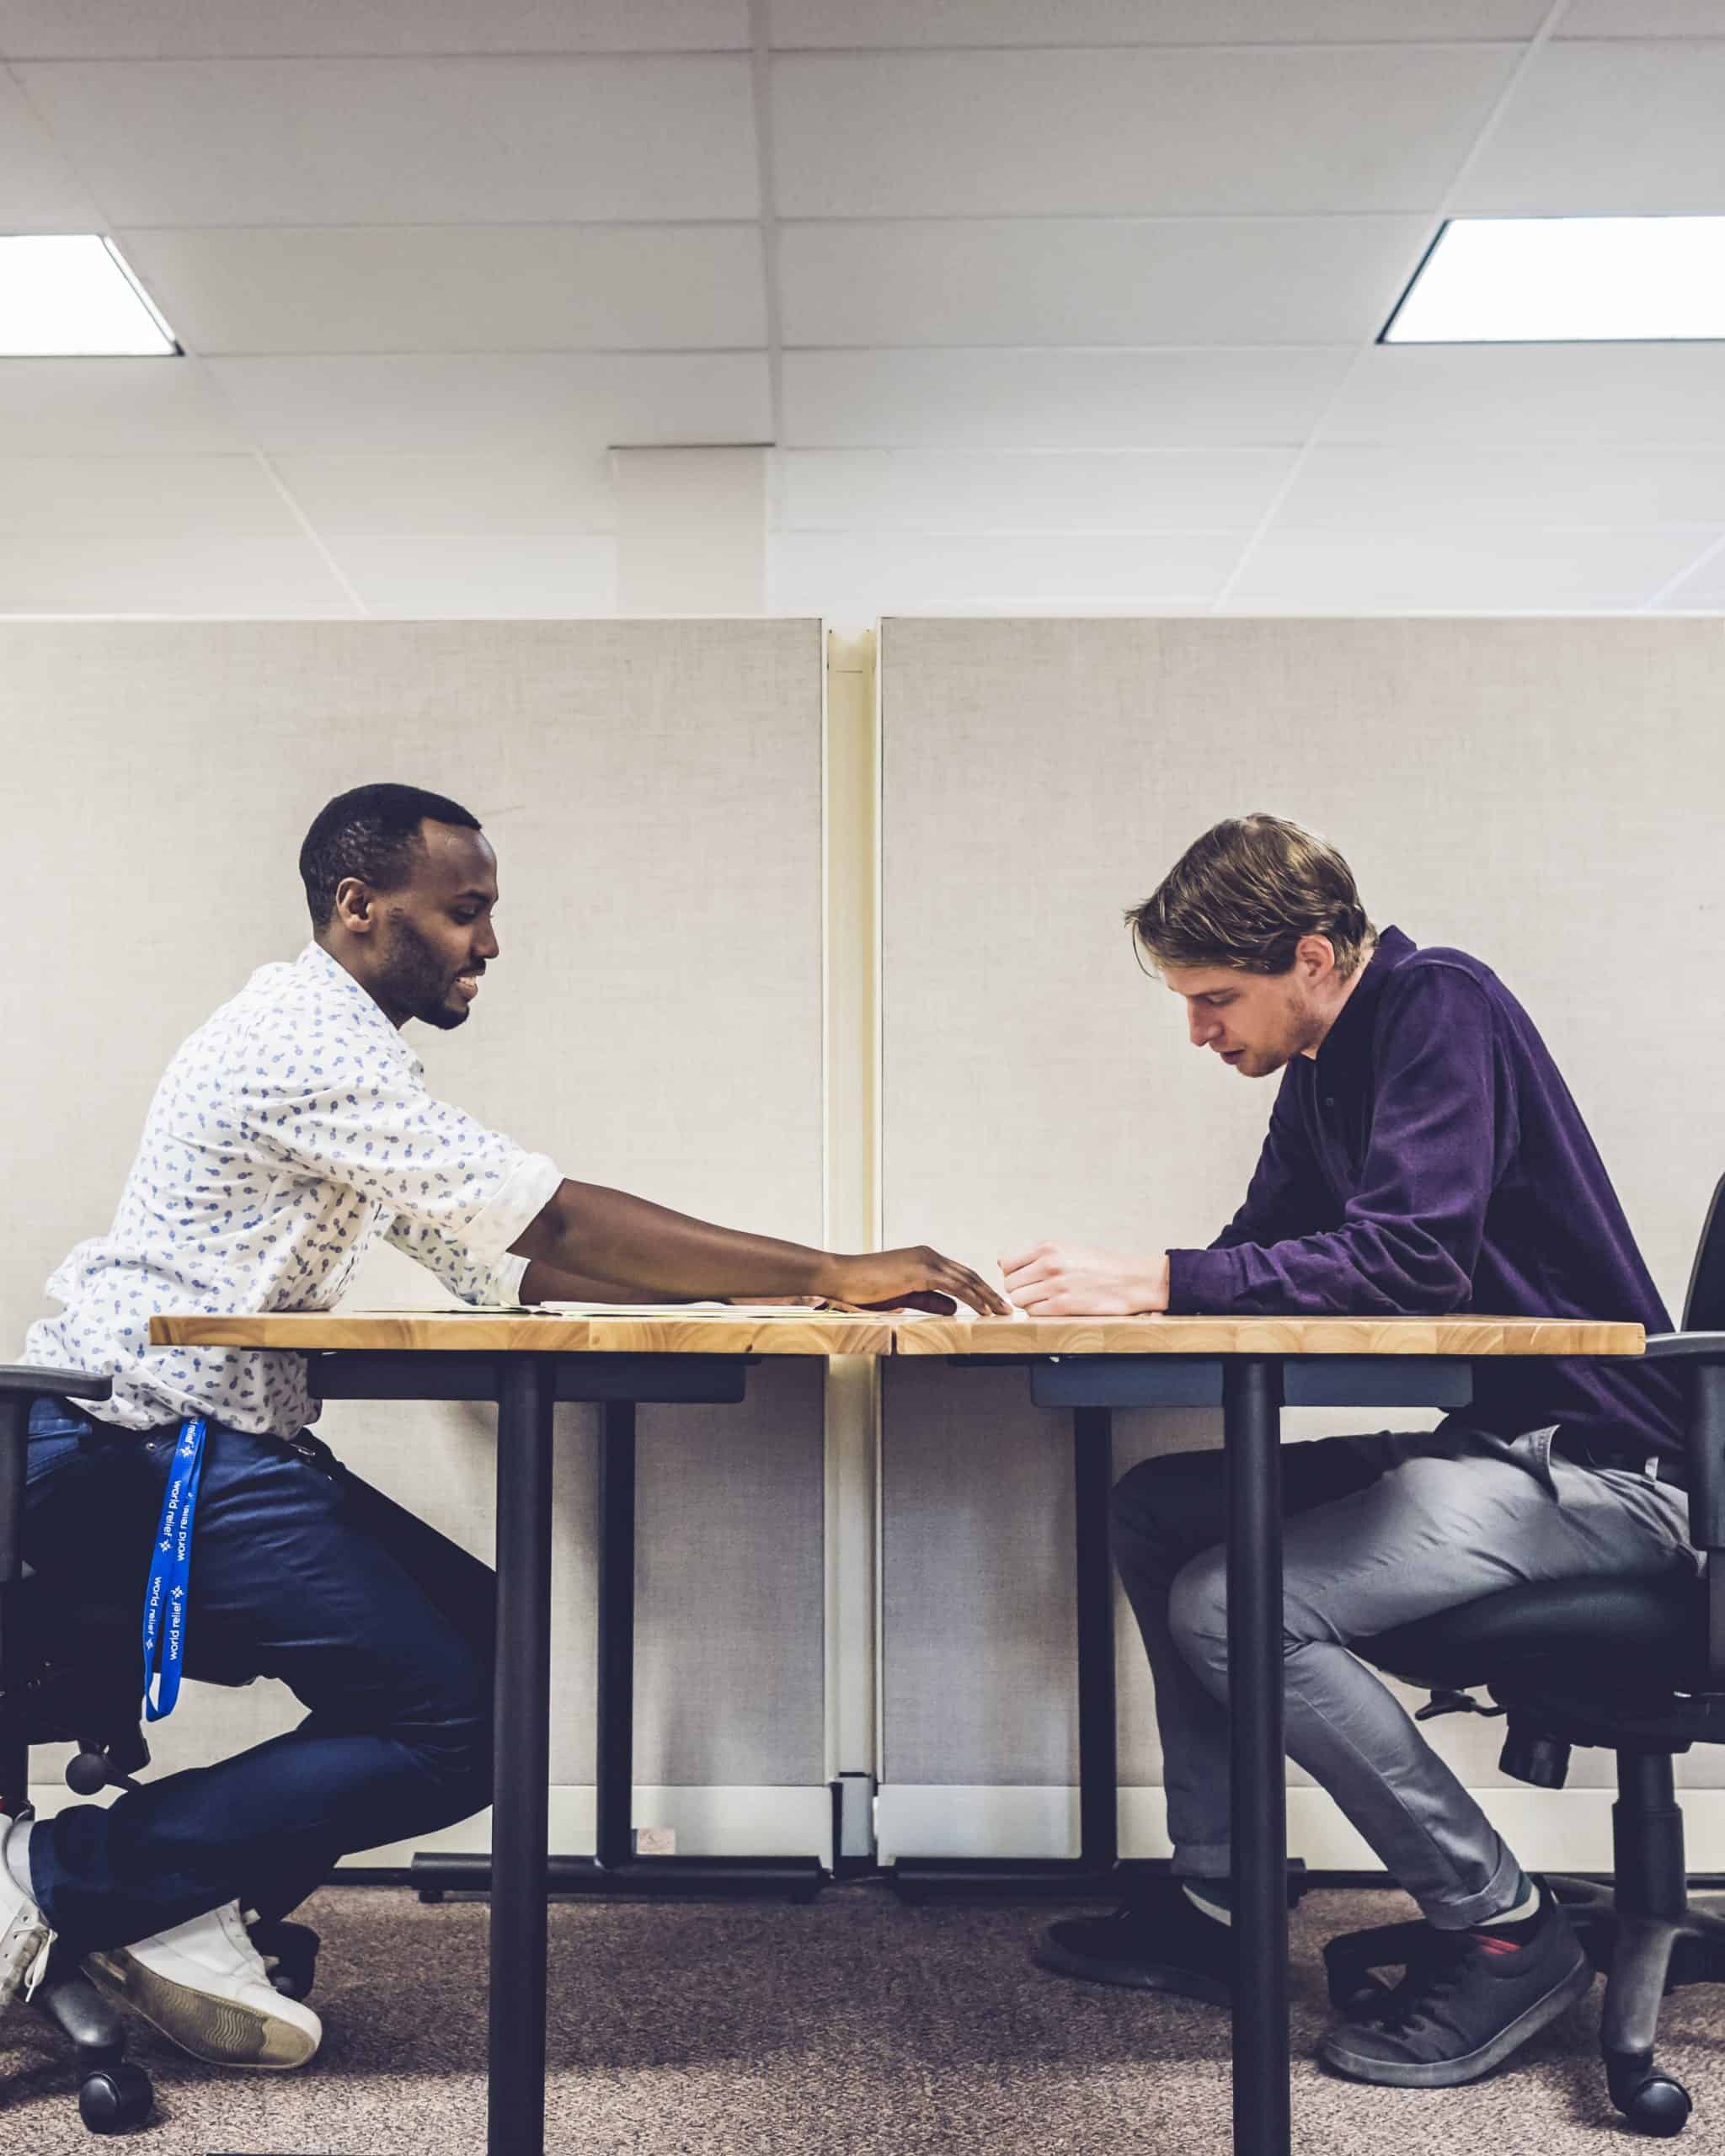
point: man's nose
(1202, 1028)
(487, 947)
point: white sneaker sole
(221, 2031)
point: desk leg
(14, 1457)
(614, 1759)
(1252, 1400)
(518, 1819)
(1098, 1802)
(1095, 1870)
(614, 1868)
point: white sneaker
(205, 1985)
(25, 1933)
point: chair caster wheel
(115, 2097)
(1658, 2106)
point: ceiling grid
(1063, 308)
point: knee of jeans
(1198, 1607)
(451, 1739)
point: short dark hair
(372, 832)
(1245, 893)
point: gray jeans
(1380, 1530)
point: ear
(1314, 959)
(356, 908)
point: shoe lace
(1435, 1974)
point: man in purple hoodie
(1424, 1155)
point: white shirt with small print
(288, 1133)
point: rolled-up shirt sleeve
(431, 1165)
(1407, 1241)
(489, 1287)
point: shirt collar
(1347, 1039)
(332, 982)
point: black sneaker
(1466, 2003)
(1160, 1943)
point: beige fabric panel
(1541, 792)
(653, 792)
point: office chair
(69, 1673)
(1636, 1667)
(45, 1695)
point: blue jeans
(380, 1626)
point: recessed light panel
(1518, 280)
(68, 294)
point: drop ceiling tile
(440, 577)
(524, 496)
(842, 23)
(1583, 19)
(1340, 487)
(474, 288)
(1056, 400)
(406, 142)
(1173, 132)
(39, 190)
(854, 574)
(81, 406)
(1201, 280)
(1613, 129)
(1515, 395)
(1459, 570)
(183, 577)
(1701, 589)
(1086, 491)
(165, 29)
(170, 499)
(549, 403)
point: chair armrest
(39, 1382)
(1686, 1346)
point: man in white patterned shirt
(289, 1132)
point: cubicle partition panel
(1543, 794)
(654, 793)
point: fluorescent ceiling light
(1513, 280)
(68, 294)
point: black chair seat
(1648, 1635)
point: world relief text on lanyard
(170, 1573)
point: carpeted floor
(850, 2024)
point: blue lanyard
(170, 1571)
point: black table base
(1250, 1391)
(518, 1873)
(1094, 1870)
(645, 1878)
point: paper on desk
(686, 1310)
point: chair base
(115, 2093)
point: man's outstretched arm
(607, 1237)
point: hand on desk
(937, 1305)
(1067, 1280)
(917, 1278)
